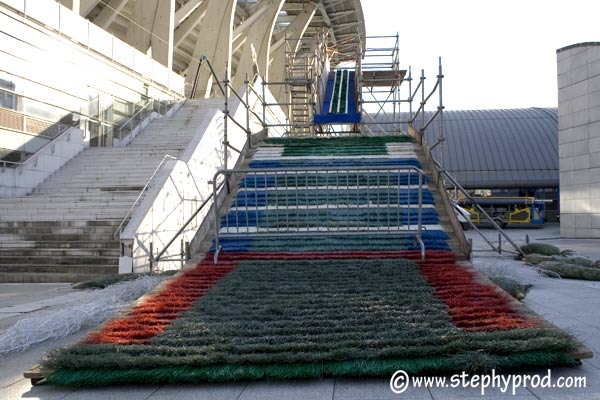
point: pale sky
(495, 54)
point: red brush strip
(473, 306)
(156, 312)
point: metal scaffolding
(380, 78)
(302, 86)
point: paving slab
(290, 390)
(374, 389)
(231, 391)
(571, 305)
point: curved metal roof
(515, 148)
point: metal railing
(481, 210)
(119, 229)
(291, 201)
(185, 256)
(226, 89)
(140, 115)
(442, 176)
(152, 105)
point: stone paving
(571, 305)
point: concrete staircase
(64, 230)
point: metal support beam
(185, 10)
(255, 53)
(73, 5)
(214, 42)
(109, 13)
(152, 28)
(187, 26)
(86, 6)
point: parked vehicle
(507, 211)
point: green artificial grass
(569, 270)
(535, 259)
(344, 181)
(580, 261)
(312, 197)
(514, 288)
(332, 218)
(544, 249)
(355, 368)
(309, 318)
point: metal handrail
(148, 103)
(185, 225)
(5, 163)
(480, 209)
(325, 170)
(144, 189)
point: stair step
(53, 277)
(52, 236)
(54, 245)
(53, 253)
(58, 260)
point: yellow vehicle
(506, 211)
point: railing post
(216, 216)
(441, 137)
(422, 129)
(225, 117)
(151, 248)
(248, 135)
(470, 241)
(181, 253)
(499, 243)
(264, 103)
(420, 217)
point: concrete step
(58, 260)
(92, 194)
(51, 237)
(46, 215)
(60, 224)
(66, 206)
(54, 277)
(151, 154)
(134, 189)
(53, 253)
(59, 197)
(66, 183)
(54, 245)
(136, 171)
(70, 231)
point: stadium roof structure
(343, 20)
(512, 148)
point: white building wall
(58, 70)
(579, 139)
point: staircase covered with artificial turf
(308, 306)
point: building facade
(579, 139)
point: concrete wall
(579, 139)
(22, 179)
(181, 186)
